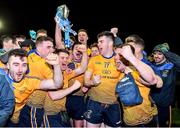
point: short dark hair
(43, 38)
(18, 52)
(83, 30)
(20, 36)
(5, 38)
(14, 52)
(107, 34)
(135, 39)
(76, 43)
(57, 51)
(93, 45)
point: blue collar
(110, 56)
(33, 51)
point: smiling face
(82, 37)
(17, 67)
(159, 57)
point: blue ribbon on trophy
(65, 25)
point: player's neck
(108, 53)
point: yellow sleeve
(46, 70)
(71, 75)
(90, 65)
(135, 75)
(35, 83)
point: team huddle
(110, 83)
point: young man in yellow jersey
(143, 114)
(40, 68)
(55, 111)
(75, 102)
(17, 65)
(102, 105)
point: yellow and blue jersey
(106, 68)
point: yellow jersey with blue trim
(106, 68)
(39, 68)
(22, 90)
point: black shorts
(59, 120)
(97, 113)
(75, 106)
(31, 116)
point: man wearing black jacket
(167, 63)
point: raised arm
(84, 62)
(58, 38)
(57, 80)
(145, 71)
(174, 58)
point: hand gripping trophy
(62, 19)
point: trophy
(61, 19)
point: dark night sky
(154, 22)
